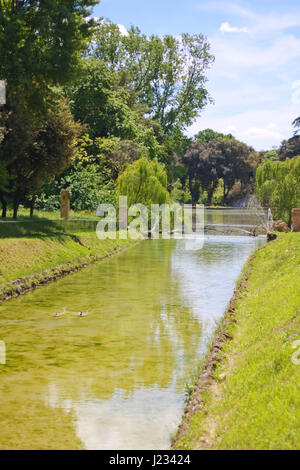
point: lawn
(253, 400)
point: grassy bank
(248, 395)
(29, 261)
(23, 215)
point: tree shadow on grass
(43, 228)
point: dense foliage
(41, 43)
(144, 182)
(278, 185)
(90, 106)
(213, 159)
(166, 75)
(39, 151)
(289, 148)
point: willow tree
(278, 185)
(144, 182)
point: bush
(86, 185)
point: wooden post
(65, 197)
(296, 220)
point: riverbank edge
(206, 380)
(14, 289)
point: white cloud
(230, 130)
(271, 131)
(261, 128)
(266, 24)
(296, 93)
(257, 22)
(255, 80)
(232, 55)
(226, 28)
(123, 30)
(228, 7)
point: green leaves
(289, 148)
(207, 135)
(144, 182)
(278, 185)
(4, 177)
(41, 45)
(167, 74)
(33, 152)
(217, 157)
(99, 102)
(87, 186)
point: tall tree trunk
(191, 187)
(224, 194)
(195, 193)
(4, 206)
(32, 202)
(210, 193)
(16, 207)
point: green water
(116, 378)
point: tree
(97, 102)
(21, 130)
(223, 158)
(289, 148)
(207, 135)
(202, 165)
(271, 155)
(110, 154)
(100, 103)
(144, 182)
(3, 171)
(278, 185)
(296, 124)
(41, 43)
(46, 151)
(166, 74)
(177, 193)
(86, 184)
(236, 163)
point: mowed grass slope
(254, 403)
(25, 256)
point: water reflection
(116, 378)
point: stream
(115, 378)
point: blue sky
(255, 81)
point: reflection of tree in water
(144, 331)
(231, 217)
(143, 340)
(138, 334)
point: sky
(255, 80)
